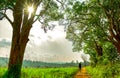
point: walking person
(80, 66)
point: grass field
(45, 72)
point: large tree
(83, 29)
(21, 25)
(93, 23)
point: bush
(105, 71)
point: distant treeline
(40, 64)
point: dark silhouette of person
(80, 66)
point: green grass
(2, 71)
(105, 71)
(45, 72)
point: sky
(48, 47)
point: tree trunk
(21, 27)
(19, 42)
(117, 46)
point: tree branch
(42, 12)
(8, 19)
(104, 9)
(60, 3)
(4, 15)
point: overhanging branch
(9, 20)
(42, 12)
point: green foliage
(105, 71)
(45, 72)
(111, 53)
(4, 5)
(86, 25)
(7, 4)
(2, 71)
(90, 25)
(52, 12)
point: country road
(82, 74)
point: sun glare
(30, 9)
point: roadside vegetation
(104, 71)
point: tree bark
(19, 42)
(117, 46)
(114, 37)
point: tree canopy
(92, 25)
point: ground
(82, 73)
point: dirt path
(82, 74)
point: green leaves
(7, 4)
(87, 20)
(93, 20)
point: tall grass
(45, 72)
(2, 71)
(104, 71)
